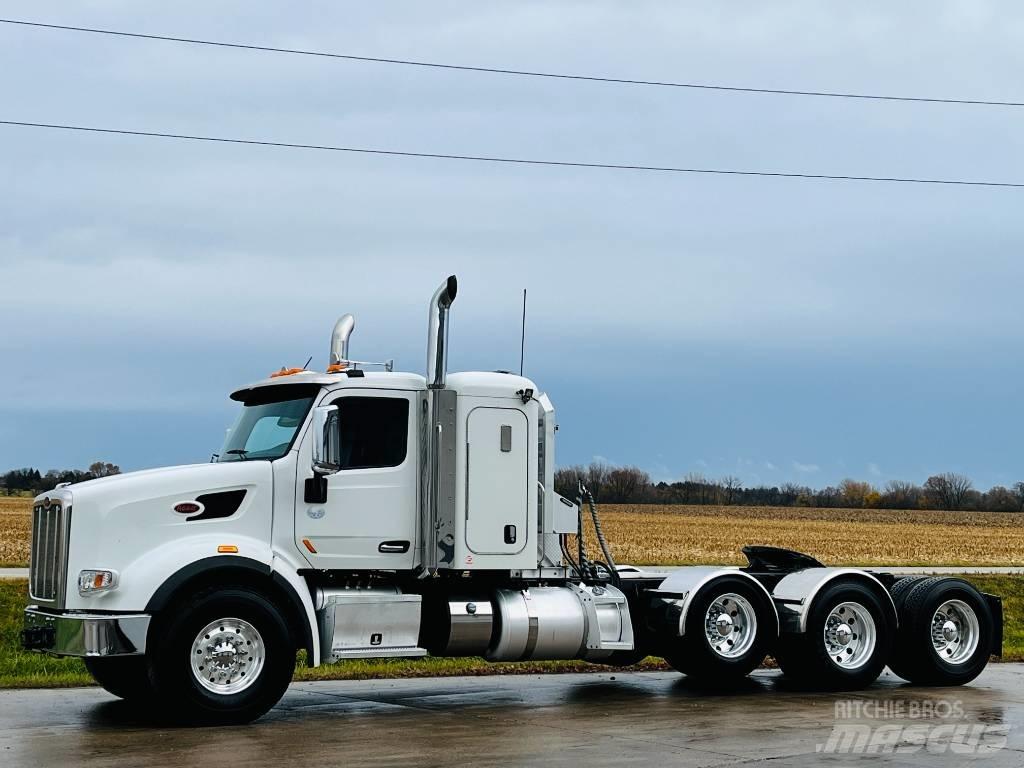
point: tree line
(631, 485)
(29, 480)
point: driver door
(369, 518)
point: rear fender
(795, 593)
(683, 585)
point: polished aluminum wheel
(955, 631)
(850, 635)
(227, 656)
(730, 625)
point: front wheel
(225, 657)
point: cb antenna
(522, 340)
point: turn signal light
(90, 582)
(309, 545)
(228, 549)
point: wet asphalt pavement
(586, 720)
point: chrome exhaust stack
(437, 333)
(339, 340)
(438, 462)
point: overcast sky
(779, 330)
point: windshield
(265, 430)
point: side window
(374, 431)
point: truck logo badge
(188, 507)
(315, 513)
(376, 638)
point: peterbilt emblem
(316, 513)
(188, 507)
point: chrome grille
(49, 552)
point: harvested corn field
(15, 530)
(682, 535)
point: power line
(517, 72)
(509, 160)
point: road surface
(589, 720)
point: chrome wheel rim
(955, 632)
(227, 656)
(730, 625)
(850, 635)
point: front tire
(225, 657)
(846, 643)
(730, 625)
(126, 677)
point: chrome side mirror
(326, 440)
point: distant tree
(595, 477)
(730, 485)
(26, 479)
(856, 494)
(103, 469)
(1000, 499)
(899, 494)
(1018, 492)
(948, 490)
(829, 497)
(626, 485)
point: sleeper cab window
(374, 431)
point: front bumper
(84, 634)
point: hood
(167, 486)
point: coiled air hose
(585, 565)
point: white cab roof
(375, 379)
(488, 384)
(477, 383)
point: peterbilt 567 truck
(369, 513)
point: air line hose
(609, 563)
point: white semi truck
(369, 513)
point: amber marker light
(309, 545)
(228, 549)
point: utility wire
(517, 72)
(510, 160)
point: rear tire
(730, 625)
(127, 677)
(899, 591)
(946, 633)
(225, 657)
(901, 588)
(846, 644)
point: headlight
(91, 582)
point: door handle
(393, 547)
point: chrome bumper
(83, 634)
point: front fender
(151, 582)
